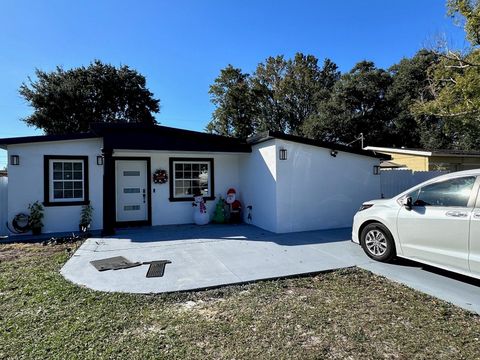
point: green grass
(344, 314)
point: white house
(290, 183)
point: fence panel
(3, 205)
(394, 182)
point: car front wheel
(377, 242)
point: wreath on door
(160, 176)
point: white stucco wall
(310, 190)
(165, 212)
(258, 183)
(26, 182)
(318, 191)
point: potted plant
(85, 218)
(36, 216)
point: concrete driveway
(216, 255)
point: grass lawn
(343, 314)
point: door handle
(476, 215)
(458, 214)
(144, 196)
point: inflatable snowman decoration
(200, 214)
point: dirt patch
(10, 252)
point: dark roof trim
(268, 135)
(154, 137)
(145, 137)
(44, 138)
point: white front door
(131, 189)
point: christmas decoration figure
(219, 216)
(200, 214)
(235, 206)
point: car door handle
(458, 214)
(476, 215)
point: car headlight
(365, 206)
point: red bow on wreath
(160, 177)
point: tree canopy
(454, 83)
(300, 97)
(68, 101)
(280, 95)
(430, 100)
(467, 13)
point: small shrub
(36, 216)
(86, 218)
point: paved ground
(216, 255)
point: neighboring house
(425, 160)
(290, 183)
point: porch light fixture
(282, 154)
(14, 160)
(333, 153)
(376, 170)
(99, 160)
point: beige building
(424, 160)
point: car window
(453, 192)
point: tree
(235, 106)
(410, 84)
(288, 90)
(68, 101)
(455, 98)
(279, 96)
(467, 12)
(267, 83)
(303, 86)
(358, 104)
(454, 83)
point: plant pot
(36, 230)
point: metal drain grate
(157, 268)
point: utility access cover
(114, 263)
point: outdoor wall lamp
(14, 160)
(282, 154)
(99, 160)
(333, 153)
(376, 170)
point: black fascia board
(269, 135)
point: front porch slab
(217, 255)
(202, 257)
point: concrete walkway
(216, 255)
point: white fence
(3, 205)
(393, 182)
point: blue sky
(180, 46)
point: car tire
(377, 242)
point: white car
(436, 223)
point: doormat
(156, 268)
(114, 263)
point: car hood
(381, 202)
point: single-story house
(285, 183)
(430, 160)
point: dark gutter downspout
(108, 192)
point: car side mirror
(408, 203)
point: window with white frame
(191, 177)
(67, 180)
